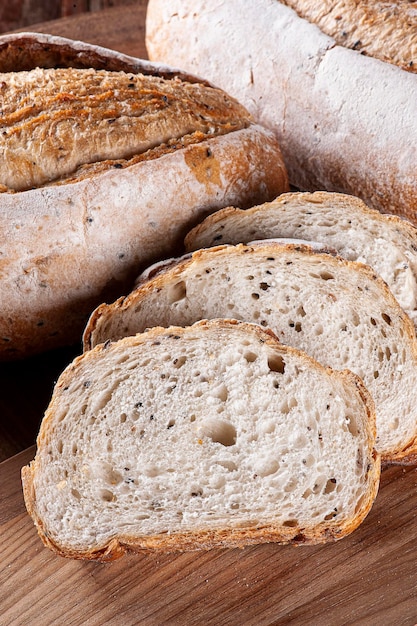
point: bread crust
(345, 121)
(204, 539)
(384, 30)
(70, 246)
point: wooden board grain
(367, 578)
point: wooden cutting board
(369, 577)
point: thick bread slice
(358, 233)
(109, 161)
(339, 311)
(213, 435)
(346, 122)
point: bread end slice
(214, 435)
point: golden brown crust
(384, 30)
(56, 120)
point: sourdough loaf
(214, 435)
(109, 160)
(346, 121)
(339, 311)
(385, 242)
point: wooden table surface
(368, 578)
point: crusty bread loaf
(346, 121)
(339, 311)
(213, 435)
(385, 242)
(108, 161)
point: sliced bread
(212, 435)
(386, 242)
(339, 311)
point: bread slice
(339, 311)
(212, 435)
(386, 242)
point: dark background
(18, 14)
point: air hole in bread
(291, 485)
(276, 363)
(171, 423)
(177, 292)
(219, 431)
(250, 277)
(255, 296)
(60, 446)
(234, 505)
(309, 460)
(267, 467)
(330, 485)
(221, 393)
(250, 356)
(373, 321)
(318, 330)
(330, 515)
(352, 425)
(287, 405)
(290, 523)
(326, 275)
(107, 496)
(76, 494)
(179, 362)
(300, 311)
(319, 484)
(123, 418)
(376, 374)
(386, 319)
(229, 465)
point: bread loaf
(346, 121)
(209, 436)
(108, 161)
(385, 242)
(338, 311)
